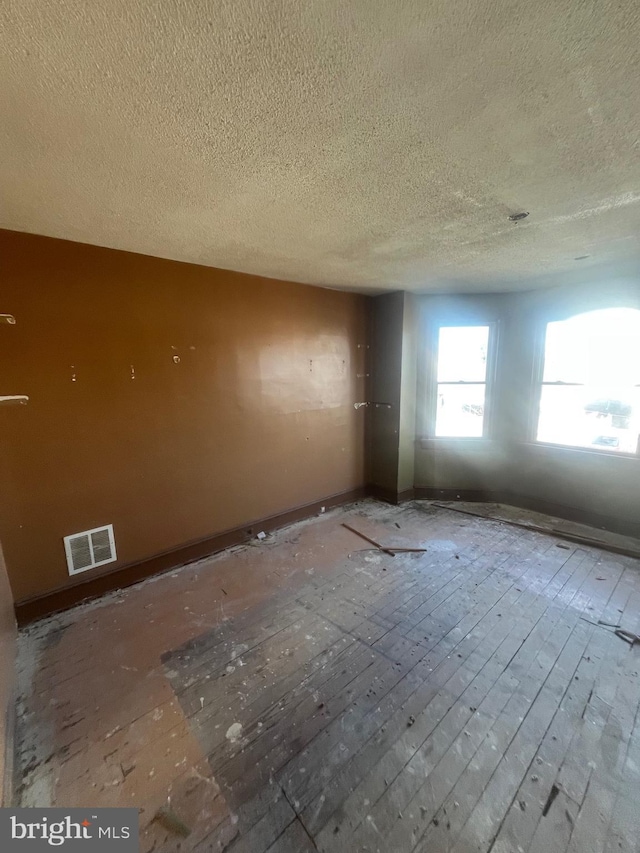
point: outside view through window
(591, 383)
(462, 375)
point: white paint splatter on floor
(234, 731)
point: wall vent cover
(89, 549)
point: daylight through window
(461, 377)
(590, 394)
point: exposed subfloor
(306, 692)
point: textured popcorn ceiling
(370, 144)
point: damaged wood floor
(308, 693)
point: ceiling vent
(90, 549)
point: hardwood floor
(311, 693)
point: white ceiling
(360, 144)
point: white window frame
(489, 382)
(536, 396)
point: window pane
(597, 348)
(590, 417)
(601, 350)
(462, 353)
(460, 411)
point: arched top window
(590, 394)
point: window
(590, 394)
(461, 380)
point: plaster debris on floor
(469, 696)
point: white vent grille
(89, 549)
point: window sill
(426, 442)
(589, 451)
(429, 443)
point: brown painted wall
(7, 674)
(255, 418)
